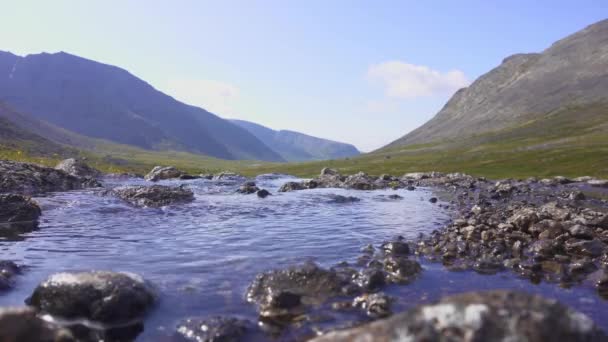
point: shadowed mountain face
(103, 101)
(294, 146)
(573, 72)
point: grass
(570, 142)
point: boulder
(163, 172)
(333, 198)
(375, 305)
(328, 172)
(479, 316)
(100, 296)
(23, 325)
(292, 186)
(78, 168)
(18, 214)
(29, 179)
(155, 196)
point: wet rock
(23, 325)
(376, 305)
(17, 208)
(401, 269)
(206, 176)
(576, 196)
(248, 188)
(163, 172)
(155, 196)
(310, 282)
(396, 248)
(488, 266)
(359, 181)
(433, 200)
(602, 286)
(25, 178)
(483, 316)
(395, 197)
(215, 329)
(292, 186)
(342, 199)
(100, 296)
(188, 177)
(263, 193)
(524, 218)
(8, 270)
(78, 168)
(581, 232)
(370, 279)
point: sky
(362, 72)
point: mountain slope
(294, 146)
(572, 72)
(103, 101)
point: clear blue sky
(364, 72)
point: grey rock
(23, 325)
(78, 168)
(215, 329)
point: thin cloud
(403, 80)
(215, 96)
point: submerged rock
(292, 186)
(78, 168)
(8, 270)
(25, 178)
(480, 316)
(100, 296)
(215, 329)
(376, 305)
(342, 199)
(163, 172)
(154, 196)
(24, 325)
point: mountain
(104, 101)
(294, 146)
(571, 75)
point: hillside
(295, 146)
(572, 72)
(103, 101)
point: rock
(524, 218)
(342, 199)
(591, 248)
(396, 248)
(433, 200)
(78, 168)
(370, 279)
(359, 181)
(310, 282)
(376, 305)
(292, 186)
(188, 177)
(395, 197)
(328, 172)
(29, 179)
(248, 188)
(17, 208)
(8, 270)
(228, 176)
(155, 196)
(581, 232)
(479, 316)
(488, 266)
(576, 196)
(206, 176)
(163, 172)
(600, 183)
(23, 325)
(602, 286)
(263, 193)
(215, 329)
(401, 269)
(100, 296)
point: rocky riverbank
(553, 230)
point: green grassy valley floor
(552, 145)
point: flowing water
(202, 256)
